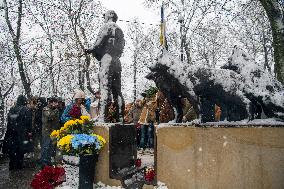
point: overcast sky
(128, 9)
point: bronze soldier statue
(108, 49)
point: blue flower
(82, 140)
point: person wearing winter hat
(77, 108)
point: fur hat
(79, 94)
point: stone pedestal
(220, 158)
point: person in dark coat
(50, 122)
(41, 103)
(18, 134)
(61, 108)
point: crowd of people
(153, 109)
(30, 123)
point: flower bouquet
(48, 178)
(76, 137)
(81, 144)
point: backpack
(14, 118)
(119, 41)
(10, 136)
(113, 43)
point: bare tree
(143, 47)
(275, 12)
(75, 12)
(254, 32)
(3, 96)
(16, 36)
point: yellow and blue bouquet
(77, 137)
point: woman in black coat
(18, 134)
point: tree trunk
(2, 116)
(81, 76)
(265, 50)
(2, 108)
(135, 78)
(51, 74)
(26, 84)
(16, 44)
(87, 62)
(274, 13)
(187, 52)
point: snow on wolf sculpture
(238, 92)
(108, 49)
(261, 87)
(194, 81)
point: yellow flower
(62, 129)
(79, 121)
(69, 123)
(100, 138)
(85, 118)
(54, 134)
(64, 143)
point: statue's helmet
(110, 15)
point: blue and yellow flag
(163, 28)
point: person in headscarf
(77, 108)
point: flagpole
(163, 29)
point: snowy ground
(146, 156)
(72, 171)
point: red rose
(75, 111)
(138, 162)
(149, 175)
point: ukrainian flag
(163, 28)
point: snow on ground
(72, 176)
(72, 171)
(72, 179)
(146, 156)
(161, 186)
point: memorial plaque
(123, 150)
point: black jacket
(16, 136)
